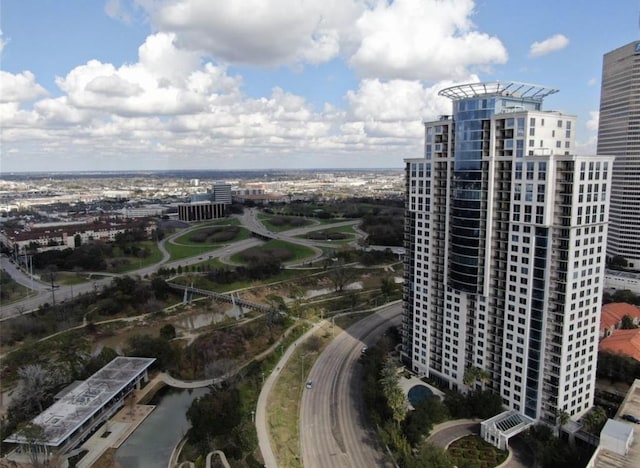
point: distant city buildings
(619, 135)
(506, 234)
(206, 205)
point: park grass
(67, 278)
(266, 220)
(135, 263)
(283, 407)
(202, 282)
(348, 230)
(299, 252)
(182, 247)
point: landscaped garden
(473, 449)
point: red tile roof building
(611, 316)
(625, 342)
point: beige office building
(619, 136)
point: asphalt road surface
(333, 429)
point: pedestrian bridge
(189, 291)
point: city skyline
(188, 84)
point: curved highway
(333, 427)
(62, 293)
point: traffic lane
(348, 436)
(445, 436)
(334, 430)
(18, 276)
(356, 429)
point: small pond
(151, 444)
(417, 393)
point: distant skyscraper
(619, 135)
(506, 234)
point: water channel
(151, 444)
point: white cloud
(592, 82)
(178, 100)
(423, 39)
(551, 44)
(166, 81)
(397, 101)
(587, 147)
(406, 39)
(114, 9)
(19, 87)
(3, 42)
(594, 120)
(258, 32)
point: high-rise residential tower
(619, 135)
(505, 234)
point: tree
(148, 346)
(387, 286)
(431, 456)
(396, 398)
(594, 420)
(562, 418)
(35, 436)
(168, 332)
(627, 323)
(339, 275)
(214, 414)
(77, 240)
(475, 374)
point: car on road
(309, 384)
(631, 418)
(363, 350)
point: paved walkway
(262, 425)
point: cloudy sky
(247, 84)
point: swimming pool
(417, 393)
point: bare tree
(219, 368)
(34, 384)
(340, 275)
(35, 437)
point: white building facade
(505, 234)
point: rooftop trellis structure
(512, 89)
(85, 406)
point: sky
(97, 85)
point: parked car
(631, 418)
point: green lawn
(347, 230)
(297, 252)
(183, 247)
(278, 223)
(135, 263)
(68, 278)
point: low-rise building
(611, 316)
(77, 414)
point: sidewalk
(262, 428)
